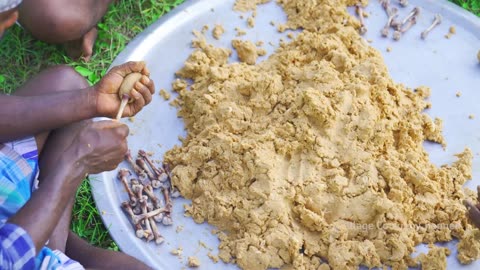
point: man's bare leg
(58, 141)
(83, 47)
(50, 80)
(72, 23)
(51, 145)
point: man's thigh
(48, 81)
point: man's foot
(82, 48)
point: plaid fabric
(16, 178)
(58, 261)
(27, 148)
(9, 4)
(18, 171)
(17, 250)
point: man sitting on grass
(45, 131)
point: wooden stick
(124, 103)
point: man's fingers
(106, 124)
(146, 71)
(473, 212)
(138, 104)
(112, 164)
(135, 94)
(129, 67)
(115, 162)
(475, 216)
(142, 89)
(145, 80)
(121, 129)
(467, 204)
(148, 83)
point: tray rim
(146, 39)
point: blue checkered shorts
(18, 179)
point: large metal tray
(448, 66)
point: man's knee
(67, 78)
(54, 79)
(47, 20)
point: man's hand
(97, 147)
(100, 146)
(107, 89)
(474, 209)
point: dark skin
(54, 151)
(59, 109)
(7, 19)
(60, 104)
(474, 209)
(59, 185)
(72, 23)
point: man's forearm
(40, 215)
(23, 116)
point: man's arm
(24, 116)
(40, 215)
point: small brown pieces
(400, 27)
(247, 51)
(391, 17)
(122, 176)
(386, 6)
(436, 21)
(193, 262)
(410, 23)
(156, 235)
(403, 3)
(218, 31)
(141, 174)
(139, 232)
(155, 201)
(145, 209)
(451, 31)
(359, 10)
(145, 168)
(149, 191)
(160, 175)
(413, 14)
(145, 157)
(148, 230)
(167, 220)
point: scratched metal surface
(446, 65)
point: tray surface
(447, 66)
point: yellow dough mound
(315, 156)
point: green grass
(86, 221)
(470, 5)
(22, 57)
